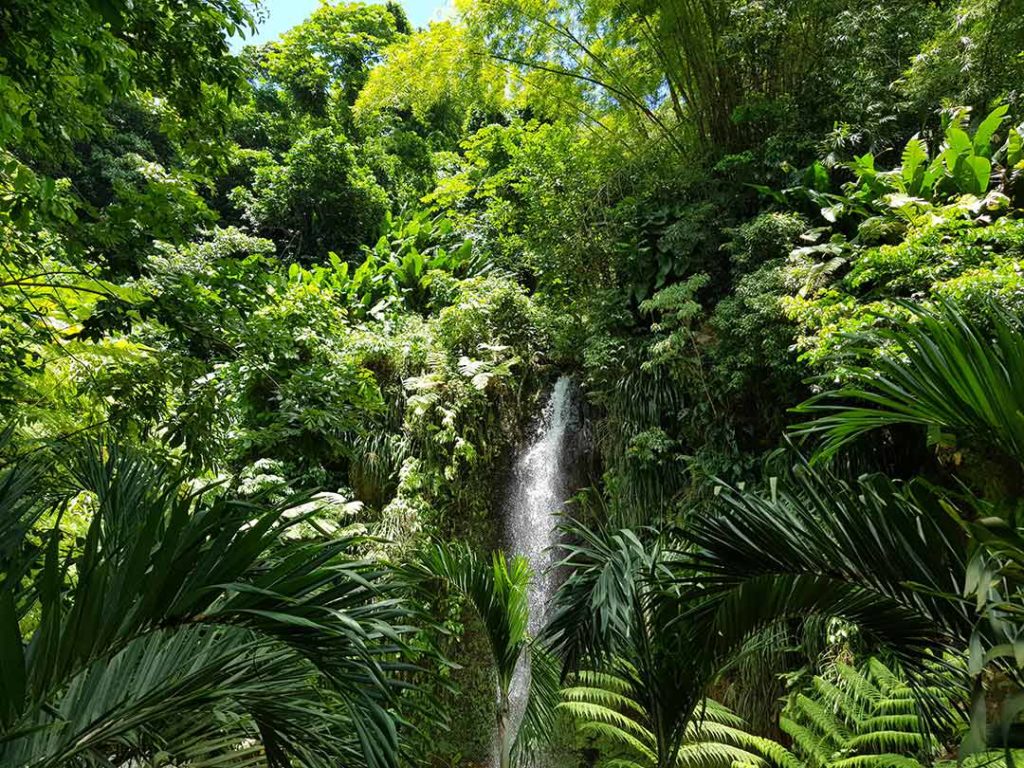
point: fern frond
(860, 687)
(876, 761)
(602, 697)
(806, 741)
(589, 712)
(897, 722)
(711, 755)
(870, 717)
(889, 741)
(620, 737)
(714, 712)
(897, 707)
(775, 754)
(822, 720)
(606, 680)
(837, 699)
(623, 762)
(885, 678)
(605, 705)
(717, 732)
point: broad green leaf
(958, 141)
(1014, 148)
(988, 127)
(981, 167)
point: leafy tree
(318, 199)
(65, 65)
(973, 57)
(329, 55)
(693, 71)
(435, 80)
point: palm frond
(884, 555)
(180, 613)
(595, 606)
(938, 369)
(497, 590)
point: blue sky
(285, 14)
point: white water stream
(538, 489)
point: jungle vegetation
(275, 317)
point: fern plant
(606, 705)
(865, 717)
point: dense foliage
(275, 318)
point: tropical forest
(540, 384)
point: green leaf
(915, 163)
(152, 647)
(988, 127)
(1014, 148)
(959, 142)
(982, 173)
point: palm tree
(497, 590)
(959, 376)
(910, 564)
(184, 627)
(618, 610)
(885, 556)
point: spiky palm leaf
(953, 374)
(606, 705)
(497, 591)
(616, 605)
(884, 555)
(939, 369)
(178, 616)
(595, 606)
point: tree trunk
(504, 737)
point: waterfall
(539, 486)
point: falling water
(539, 487)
